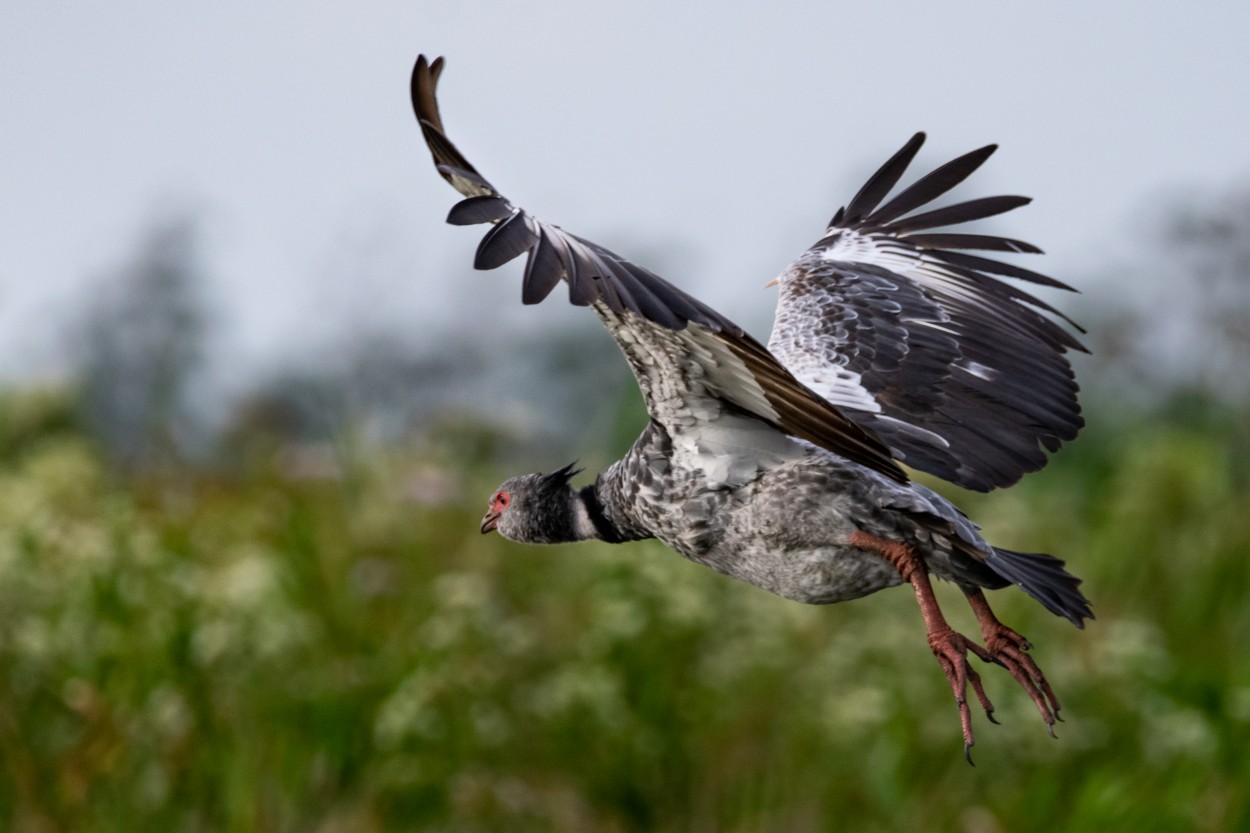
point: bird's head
(533, 508)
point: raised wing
(960, 373)
(686, 356)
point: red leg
(950, 648)
(1008, 648)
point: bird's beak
(489, 521)
(773, 282)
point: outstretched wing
(686, 357)
(961, 374)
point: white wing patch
(899, 257)
(841, 387)
(685, 373)
(686, 377)
(734, 380)
(732, 450)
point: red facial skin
(498, 503)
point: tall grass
(322, 641)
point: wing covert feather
(961, 374)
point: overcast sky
(710, 142)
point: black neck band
(605, 529)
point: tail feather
(1043, 577)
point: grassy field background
(317, 638)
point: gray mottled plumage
(765, 463)
(785, 526)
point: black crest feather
(560, 477)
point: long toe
(951, 650)
(1008, 648)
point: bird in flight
(780, 465)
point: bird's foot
(950, 647)
(1008, 649)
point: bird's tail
(1043, 577)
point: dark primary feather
(939, 240)
(984, 264)
(487, 208)
(880, 183)
(634, 300)
(592, 272)
(963, 212)
(931, 186)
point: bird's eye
(501, 500)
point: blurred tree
(1181, 320)
(458, 392)
(29, 417)
(1213, 244)
(375, 388)
(140, 345)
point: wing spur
(684, 354)
(963, 375)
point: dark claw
(992, 719)
(968, 754)
(990, 659)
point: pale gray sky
(713, 139)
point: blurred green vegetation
(318, 639)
